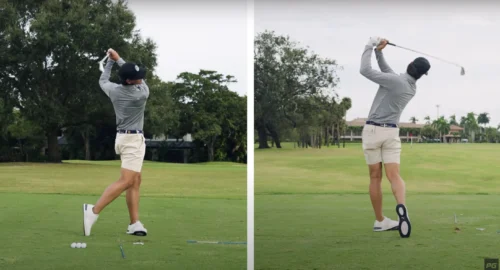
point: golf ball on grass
(78, 245)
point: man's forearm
(104, 82)
(366, 60)
(120, 62)
(106, 74)
(384, 67)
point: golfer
(381, 142)
(129, 101)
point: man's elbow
(365, 71)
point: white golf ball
(78, 245)
(73, 245)
(84, 245)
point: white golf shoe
(137, 229)
(89, 218)
(385, 225)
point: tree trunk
(343, 139)
(53, 146)
(338, 136)
(86, 141)
(210, 145)
(326, 136)
(320, 139)
(274, 135)
(262, 137)
(333, 134)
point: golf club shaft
(392, 44)
(123, 253)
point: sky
(467, 34)
(194, 34)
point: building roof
(359, 122)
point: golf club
(216, 242)
(462, 70)
(101, 63)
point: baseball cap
(131, 71)
(422, 65)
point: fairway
(41, 216)
(313, 210)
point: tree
(427, 120)
(26, 132)
(206, 107)
(55, 75)
(413, 119)
(345, 105)
(429, 132)
(161, 116)
(492, 135)
(284, 74)
(453, 120)
(483, 119)
(442, 126)
(470, 125)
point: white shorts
(132, 149)
(381, 144)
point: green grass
(40, 216)
(312, 209)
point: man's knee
(138, 180)
(375, 173)
(392, 172)
(131, 178)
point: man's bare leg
(376, 189)
(133, 199)
(397, 183)
(114, 190)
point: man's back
(391, 100)
(394, 93)
(129, 102)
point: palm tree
(483, 119)
(453, 120)
(428, 120)
(345, 105)
(470, 124)
(442, 126)
(413, 120)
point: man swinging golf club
(381, 142)
(129, 101)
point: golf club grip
(388, 43)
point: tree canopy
(294, 92)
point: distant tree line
(474, 126)
(49, 86)
(295, 97)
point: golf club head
(462, 71)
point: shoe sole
(391, 229)
(84, 219)
(404, 222)
(138, 233)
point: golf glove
(374, 41)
